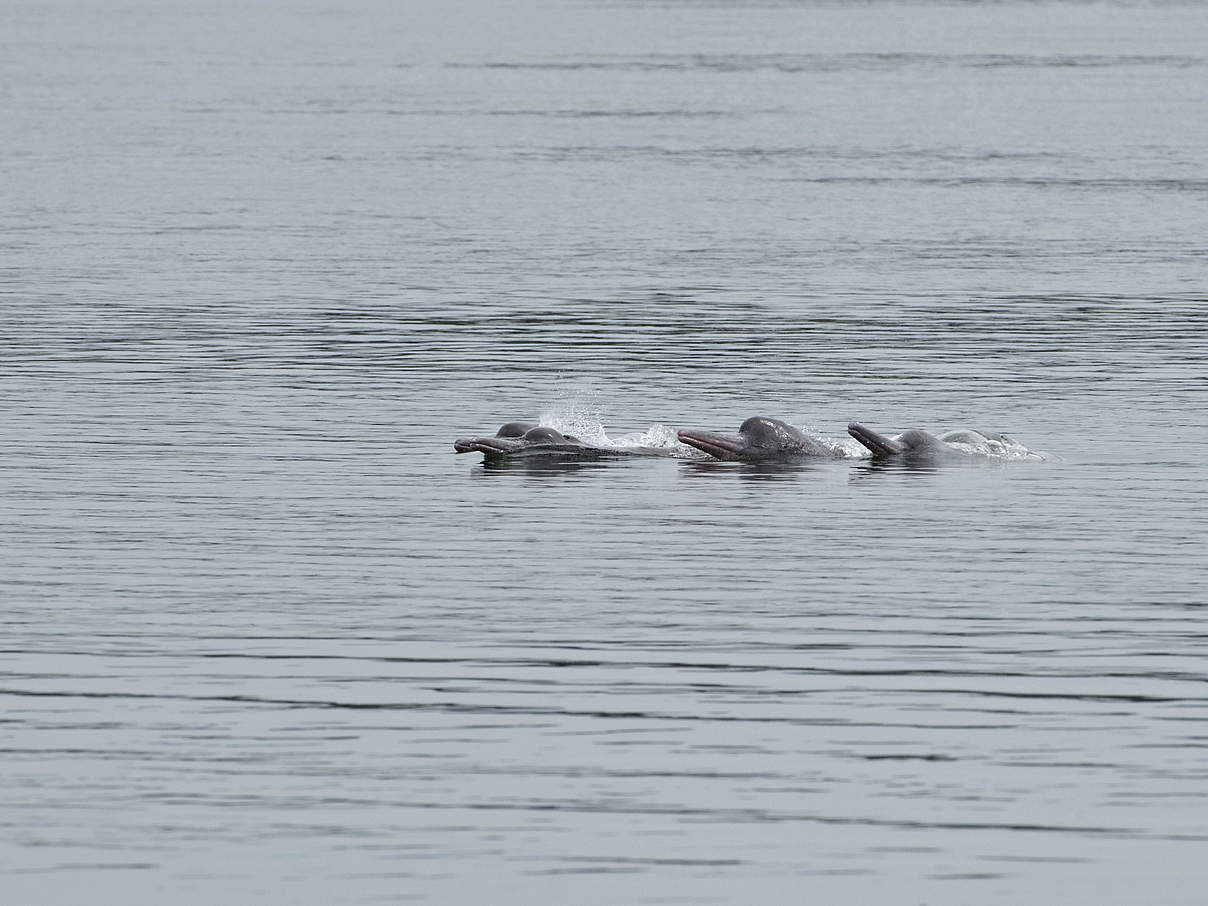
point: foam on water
(994, 445)
(656, 435)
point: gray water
(268, 639)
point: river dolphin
(760, 439)
(526, 439)
(914, 443)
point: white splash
(997, 446)
(851, 447)
(659, 436)
(847, 445)
(580, 416)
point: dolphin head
(515, 429)
(915, 442)
(518, 437)
(758, 438)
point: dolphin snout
(487, 445)
(719, 446)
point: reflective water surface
(267, 638)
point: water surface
(268, 639)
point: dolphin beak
(877, 444)
(719, 446)
(489, 446)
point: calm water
(267, 639)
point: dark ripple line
(459, 708)
(1031, 182)
(839, 62)
(746, 815)
(764, 816)
(634, 860)
(1166, 676)
(85, 866)
(1066, 696)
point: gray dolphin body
(912, 444)
(517, 439)
(760, 439)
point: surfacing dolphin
(915, 444)
(760, 439)
(527, 439)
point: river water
(267, 638)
